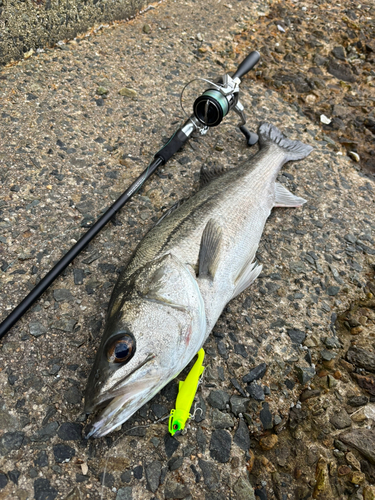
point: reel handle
(247, 64)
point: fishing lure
(185, 396)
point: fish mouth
(122, 407)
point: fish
(198, 257)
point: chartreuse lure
(185, 396)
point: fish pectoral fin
(284, 198)
(209, 251)
(248, 275)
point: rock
(3, 480)
(256, 373)
(218, 399)
(268, 442)
(296, 336)
(220, 446)
(201, 440)
(339, 53)
(333, 290)
(128, 92)
(171, 444)
(221, 420)
(8, 421)
(256, 391)
(43, 489)
(341, 71)
(153, 473)
(266, 417)
(362, 358)
(70, 431)
(357, 401)
(341, 419)
(238, 387)
(138, 472)
(41, 460)
(368, 493)
(243, 490)
(37, 329)
(62, 294)
(107, 479)
(238, 404)
(126, 476)
(11, 441)
(124, 493)
(14, 475)
(304, 374)
(175, 463)
(175, 490)
(211, 475)
(73, 395)
(63, 453)
(362, 440)
(146, 29)
(242, 436)
(367, 383)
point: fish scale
(180, 278)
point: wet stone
(36, 329)
(124, 493)
(304, 374)
(220, 446)
(341, 71)
(357, 401)
(256, 373)
(159, 410)
(296, 336)
(362, 358)
(201, 440)
(241, 350)
(63, 453)
(218, 399)
(332, 291)
(266, 417)
(153, 473)
(256, 391)
(243, 490)
(339, 53)
(175, 463)
(362, 440)
(11, 441)
(79, 276)
(237, 386)
(70, 431)
(211, 475)
(73, 395)
(341, 420)
(242, 436)
(43, 490)
(221, 420)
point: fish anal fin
(210, 249)
(284, 198)
(208, 174)
(246, 277)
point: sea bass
(186, 269)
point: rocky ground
(288, 396)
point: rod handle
(247, 64)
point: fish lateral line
(185, 397)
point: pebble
(42, 459)
(201, 440)
(70, 431)
(242, 436)
(153, 473)
(268, 442)
(243, 489)
(220, 445)
(211, 474)
(304, 374)
(175, 463)
(14, 475)
(73, 395)
(266, 417)
(43, 489)
(126, 476)
(237, 386)
(221, 420)
(171, 444)
(128, 92)
(341, 419)
(11, 441)
(218, 399)
(361, 357)
(107, 479)
(175, 490)
(63, 453)
(138, 472)
(256, 373)
(256, 391)
(62, 295)
(357, 401)
(296, 336)
(238, 404)
(36, 329)
(362, 440)
(45, 433)
(125, 493)
(3, 480)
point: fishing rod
(209, 109)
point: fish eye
(121, 349)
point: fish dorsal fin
(284, 198)
(246, 276)
(170, 210)
(208, 174)
(210, 249)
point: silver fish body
(182, 275)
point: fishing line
(116, 442)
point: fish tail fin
(294, 150)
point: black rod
(37, 291)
